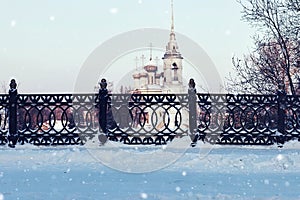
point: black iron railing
(72, 119)
(68, 119)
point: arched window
(175, 68)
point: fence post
(12, 109)
(281, 116)
(192, 101)
(103, 98)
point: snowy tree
(274, 61)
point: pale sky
(44, 43)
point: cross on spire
(150, 50)
(143, 59)
(136, 62)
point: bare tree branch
(275, 60)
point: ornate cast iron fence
(248, 119)
(68, 119)
(50, 119)
(148, 118)
(238, 119)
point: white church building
(150, 80)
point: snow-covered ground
(155, 172)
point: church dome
(151, 66)
(136, 74)
(143, 74)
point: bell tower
(172, 60)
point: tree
(275, 60)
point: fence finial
(103, 83)
(192, 87)
(192, 83)
(13, 84)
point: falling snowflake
(52, 18)
(13, 23)
(287, 184)
(279, 157)
(178, 189)
(1, 196)
(144, 195)
(266, 182)
(114, 10)
(228, 32)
